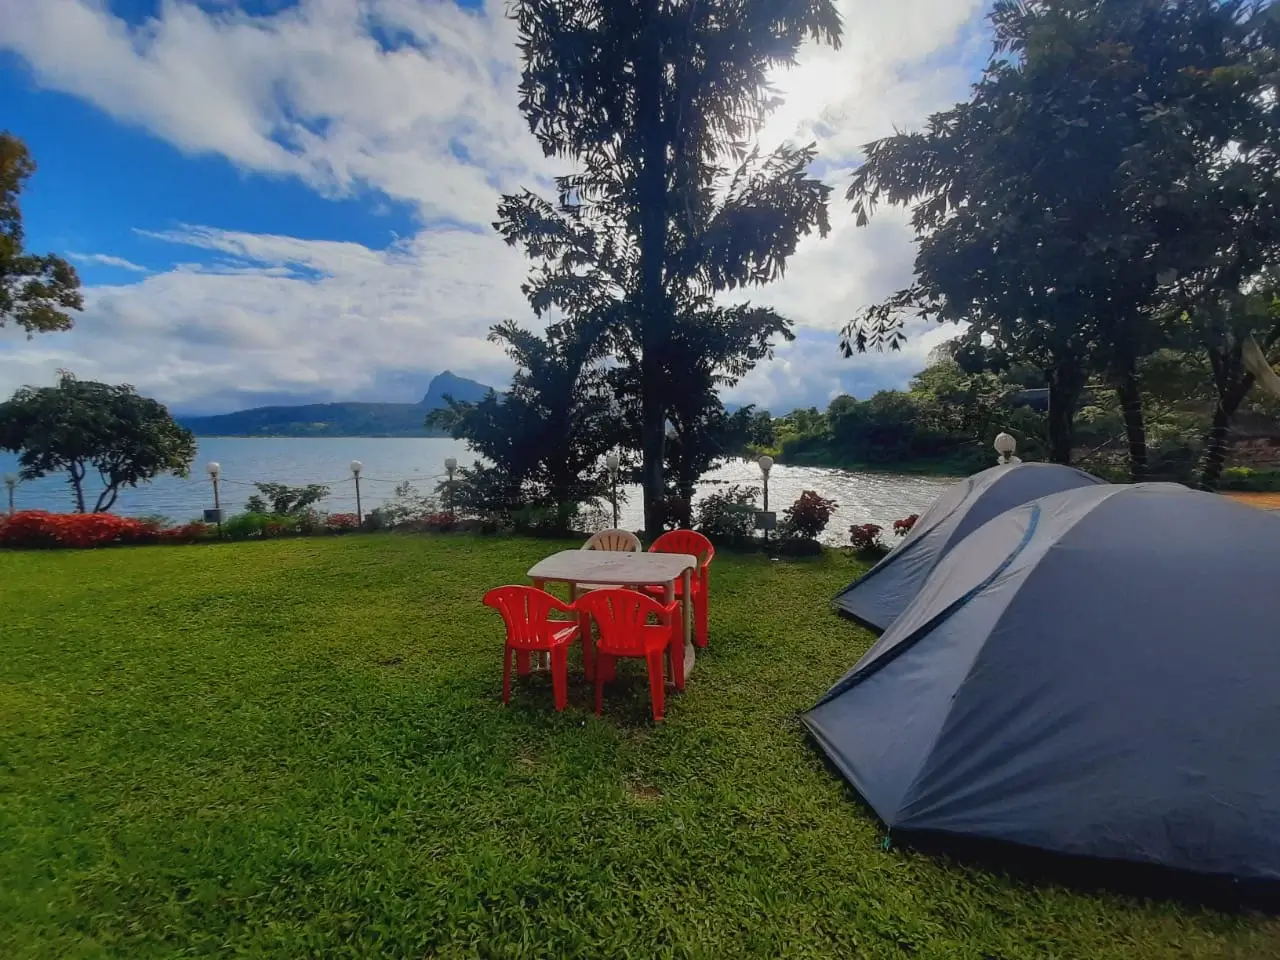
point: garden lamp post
(10, 481)
(1005, 446)
(766, 464)
(356, 467)
(450, 466)
(612, 463)
(214, 469)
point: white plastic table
(624, 569)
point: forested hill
(349, 419)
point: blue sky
(276, 200)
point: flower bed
(38, 528)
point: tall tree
(35, 291)
(651, 100)
(1051, 204)
(80, 425)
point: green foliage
(283, 500)
(545, 439)
(1251, 480)
(81, 425)
(546, 520)
(947, 418)
(250, 524)
(293, 748)
(1115, 157)
(728, 516)
(36, 292)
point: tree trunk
(652, 315)
(1214, 457)
(107, 498)
(1129, 395)
(77, 484)
(1065, 383)
(1233, 383)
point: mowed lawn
(297, 749)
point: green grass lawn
(297, 748)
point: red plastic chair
(527, 614)
(623, 620)
(695, 544)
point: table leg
(686, 584)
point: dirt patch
(643, 792)
(1263, 501)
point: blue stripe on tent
(927, 627)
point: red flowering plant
(39, 528)
(808, 516)
(439, 522)
(902, 527)
(342, 522)
(864, 536)
(187, 533)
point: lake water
(862, 497)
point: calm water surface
(863, 497)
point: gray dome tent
(877, 597)
(1095, 673)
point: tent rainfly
(877, 597)
(1093, 673)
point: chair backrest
(526, 612)
(685, 541)
(621, 616)
(621, 540)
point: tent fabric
(1094, 673)
(883, 592)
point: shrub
(808, 516)
(187, 533)
(1250, 479)
(342, 522)
(902, 527)
(865, 537)
(245, 525)
(545, 521)
(728, 517)
(406, 507)
(39, 528)
(310, 521)
(438, 522)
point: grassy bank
(296, 748)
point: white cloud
(107, 260)
(309, 91)
(285, 316)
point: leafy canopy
(35, 291)
(79, 425)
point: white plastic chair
(613, 540)
(621, 541)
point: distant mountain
(448, 384)
(350, 419)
